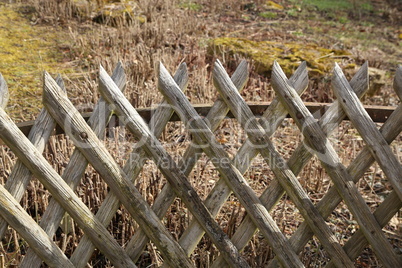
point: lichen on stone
(289, 55)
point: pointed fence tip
(162, 69)
(101, 69)
(4, 94)
(277, 71)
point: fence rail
(378, 114)
(260, 121)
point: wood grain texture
(316, 139)
(95, 152)
(74, 170)
(170, 170)
(367, 129)
(282, 172)
(30, 231)
(43, 171)
(271, 119)
(20, 175)
(205, 138)
(190, 157)
(132, 168)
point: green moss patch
(289, 55)
(26, 51)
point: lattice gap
(286, 138)
(258, 251)
(314, 255)
(314, 180)
(374, 186)
(206, 253)
(342, 223)
(259, 175)
(150, 181)
(286, 216)
(204, 176)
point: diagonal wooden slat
(74, 169)
(191, 155)
(132, 168)
(30, 231)
(13, 213)
(170, 170)
(282, 172)
(297, 161)
(391, 205)
(368, 130)
(20, 175)
(4, 94)
(363, 161)
(205, 138)
(317, 141)
(220, 192)
(95, 152)
(43, 171)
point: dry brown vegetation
(180, 31)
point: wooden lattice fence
(89, 149)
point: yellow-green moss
(288, 55)
(25, 52)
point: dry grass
(175, 33)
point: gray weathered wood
(43, 171)
(170, 170)
(4, 94)
(316, 139)
(75, 168)
(191, 155)
(278, 165)
(398, 82)
(132, 168)
(205, 138)
(297, 161)
(20, 175)
(30, 231)
(95, 152)
(367, 130)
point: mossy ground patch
(26, 51)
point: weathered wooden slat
(20, 175)
(63, 111)
(30, 231)
(278, 165)
(205, 138)
(398, 82)
(216, 198)
(4, 94)
(368, 130)
(132, 168)
(297, 161)
(170, 170)
(316, 139)
(190, 157)
(391, 205)
(75, 168)
(43, 171)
